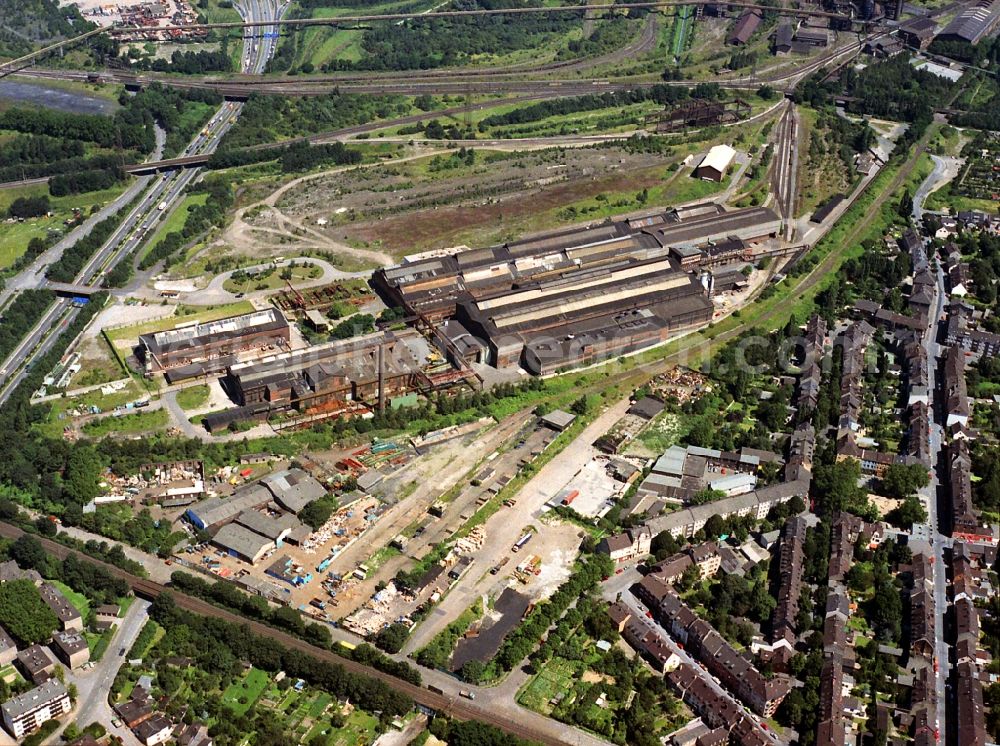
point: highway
(163, 193)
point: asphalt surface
(94, 685)
(929, 495)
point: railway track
(509, 79)
(784, 164)
(451, 706)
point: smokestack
(708, 283)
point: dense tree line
(589, 571)
(835, 487)
(287, 619)
(68, 266)
(29, 207)
(31, 464)
(609, 34)
(27, 22)
(93, 581)
(89, 180)
(200, 218)
(234, 157)
(895, 89)
(71, 175)
(984, 266)
(985, 54)
(219, 646)
(472, 733)
(22, 314)
(271, 118)
(189, 63)
(423, 43)
(39, 149)
(303, 156)
(103, 131)
(130, 128)
(891, 88)
(24, 614)
(870, 273)
(986, 466)
(661, 94)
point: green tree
(24, 614)
(902, 480)
(472, 671)
(689, 578)
(82, 478)
(392, 638)
(28, 553)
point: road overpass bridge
(71, 290)
(168, 164)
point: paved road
(214, 293)
(943, 171)
(94, 685)
(502, 531)
(34, 274)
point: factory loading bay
(343, 571)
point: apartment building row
(836, 726)
(970, 658)
(703, 642)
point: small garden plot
(241, 695)
(551, 685)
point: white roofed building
(715, 164)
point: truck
(499, 566)
(467, 694)
(520, 543)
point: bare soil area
(406, 207)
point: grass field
(240, 696)
(680, 30)
(273, 279)
(137, 422)
(193, 396)
(175, 221)
(14, 237)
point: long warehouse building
(341, 371)
(200, 349)
(578, 295)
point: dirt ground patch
(407, 206)
(502, 219)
